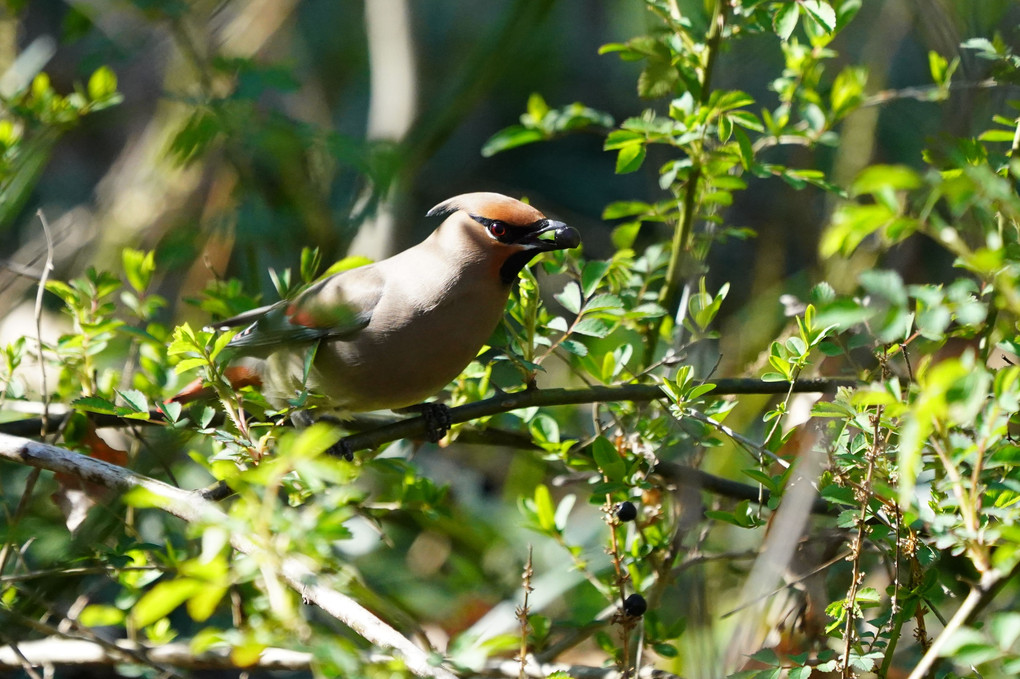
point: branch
(372, 434)
(414, 427)
(511, 668)
(990, 581)
(57, 651)
(190, 507)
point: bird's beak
(552, 236)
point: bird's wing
(337, 307)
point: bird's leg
(303, 418)
(437, 419)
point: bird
(389, 335)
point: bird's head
(510, 232)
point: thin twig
(33, 476)
(47, 267)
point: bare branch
(511, 668)
(57, 651)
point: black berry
(626, 511)
(635, 605)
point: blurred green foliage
(891, 503)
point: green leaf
(544, 510)
(135, 400)
(878, 178)
(821, 12)
(94, 404)
(537, 108)
(570, 298)
(658, 79)
(204, 602)
(850, 225)
(785, 20)
(799, 672)
(101, 615)
(162, 599)
(138, 267)
(630, 158)
(848, 90)
(186, 364)
(509, 138)
(102, 84)
(574, 347)
(592, 274)
(626, 208)
(603, 302)
(938, 67)
(608, 459)
(593, 327)
(997, 136)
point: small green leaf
(608, 459)
(162, 599)
(544, 511)
(138, 267)
(821, 12)
(877, 178)
(135, 400)
(625, 208)
(102, 84)
(537, 107)
(593, 327)
(630, 158)
(509, 138)
(101, 615)
(592, 274)
(570, 298)
(785, 20)
(94, 404)
(938, 66)
(574, 347)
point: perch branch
(414, 427)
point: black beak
(563, 237)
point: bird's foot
(341, 449)
(437, 419)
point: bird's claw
(437, 420)
(341, 449)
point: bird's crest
(491, 205)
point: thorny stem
(626, 622)
(522, 614)
(856, 546)
(894, 604)
(681, 245)
(621, 581)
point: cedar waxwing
(391, 334)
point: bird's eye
(497, 229)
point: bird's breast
(422, 335)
